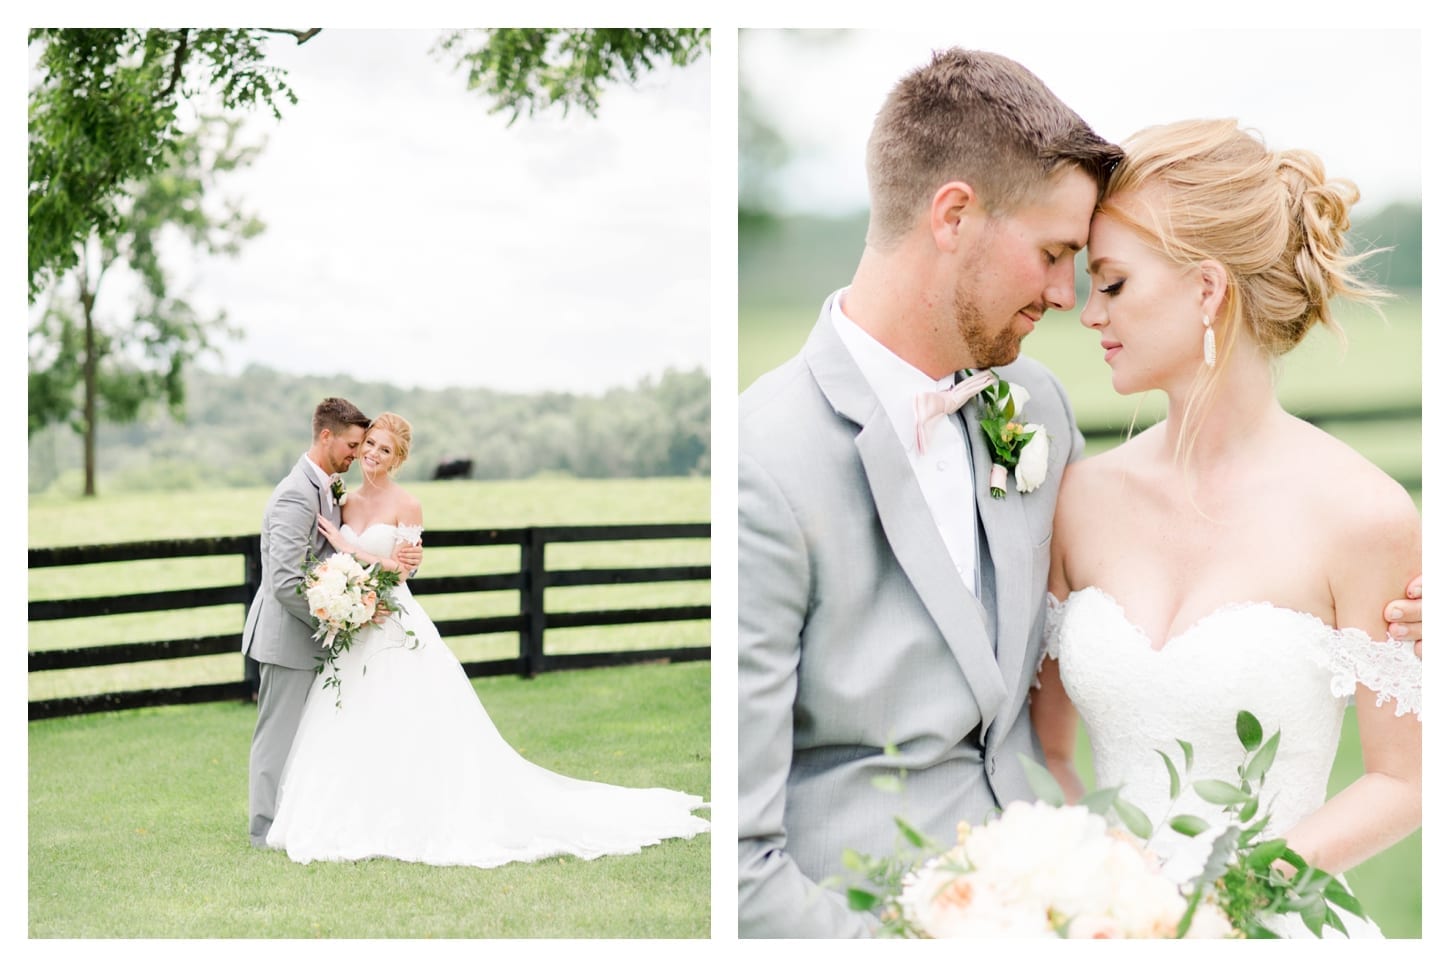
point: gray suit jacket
(279, 628)
(855, 634)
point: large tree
(105, 107)
(93, 358)
(104, 113)
(528, 70)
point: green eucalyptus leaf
(1186, 921)
(1219, 792)
(1044, 786)
(1099, 801)
(912, 836)
(1259, 764)
(1250, 808)
(1332, 919)
(1313, 916)
(860, 899)
(1187, 755)
(1249, 832)
(1133, 819)
(1336, 893)
(1254, 930)
(1173, 784)
(1251, 733)
(853, 861)
(1261, 857)
(1187, 824)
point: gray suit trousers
(280, 701)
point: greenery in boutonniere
(1016, 445)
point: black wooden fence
(530, 623)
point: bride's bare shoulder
(408, 508)
(1345, 488)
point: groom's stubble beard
(986, 346)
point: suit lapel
(319, 543)
(909, 527)
(1004, 525)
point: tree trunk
(88, 415)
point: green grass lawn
(446, 505)
(137, 826)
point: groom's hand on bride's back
(1404, 616)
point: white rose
(1032, 463)
(1019, 397)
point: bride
(1233, 556)
(404, 762)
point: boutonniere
(1016, 445)
(339, 491)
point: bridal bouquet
(1044, 870)
(1048, 869)
(343, 596)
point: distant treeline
(249, 429)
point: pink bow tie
(938, 403)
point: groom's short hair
(980, 118)
(336, 414)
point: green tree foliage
(248, 430)
(527, 70)
(89, 362)
(104, 113)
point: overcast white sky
(414, 237)
(1351, 95)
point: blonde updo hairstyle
(1210, 190)
(402, 433)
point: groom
(890, 608)
(278, 633)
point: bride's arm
(1053, 716)
(1382, 806)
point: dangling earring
(1210, 352)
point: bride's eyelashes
(1112, 288)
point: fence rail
(531, 622)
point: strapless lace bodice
(1288, 668)
(380, 538)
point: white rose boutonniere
(1016, 446)
(1032, 462)
(339, 490)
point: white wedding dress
(410, 766)
(1292, 671)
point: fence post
(251, 584)
(531, 602)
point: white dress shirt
(944, 472)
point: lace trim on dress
(1051, 630)
(412, 533)
(1390, 669)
